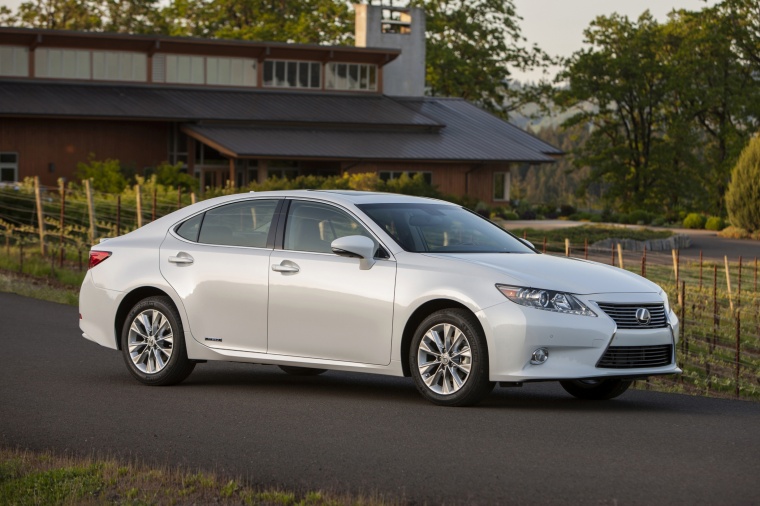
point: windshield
(441, 228)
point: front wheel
(153, 344)
(448, 359)
(596, 389)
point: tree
(470, 47)
(743, 195)
(305, 22)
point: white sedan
(367, 282)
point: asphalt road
(370, 434)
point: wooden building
(241, 111)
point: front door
(322, 305)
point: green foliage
(106, 176)
(715, 223)
(172, 175)
(694, 221)
(743, 195)
(470, 46)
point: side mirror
(527, 243)
(356, 246)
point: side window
(313, 227)
(240, 224)
(189, 229)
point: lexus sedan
(312, 281)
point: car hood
(555, 273)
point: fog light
(539, 356)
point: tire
(301, 371)
(155, 356)
(596, 389)
(448, 359)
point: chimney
(399, 28)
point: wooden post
(620, 255)
(153, 206)
(585, 248)
(179, 197)
(567, 247)
(192, 197)
(739, 285)
(738, 354)
(544, 250)
(40, 216)
(675, 265)
(90, 209)
(525, 235)
(700, 270)
(612, 253)
(62, 189)
(644, 262)
(684, 346)
(118, 215)
(138, 204)
(728, 283)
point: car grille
(625, 315)
(635, 357)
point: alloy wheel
(150, 341)
(444, 359)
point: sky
(557, 25)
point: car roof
(350, 196)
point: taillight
(96, 257)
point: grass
(43, 478)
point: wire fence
(717, 302)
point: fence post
(739, 285)
(612, 254)
(62, 189)
(90, 210)
(700, 270)
(544, 250)
(179, 197)
(40, 216)
(585, 248)
(683, 316)
(620, 255)
(567, 247)
(738, 347)
(644, 262)
(118, 215)
(138, 203)
(192, 197)
(728, 284)
(153, 207)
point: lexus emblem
(643, 316)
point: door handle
(185, 259)
(285, 268)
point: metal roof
(471, 135)
(161, 102)
(287, 124)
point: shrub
(715, 223)
(510, 215)
(694, 220)
(743, 194)
(106, 176)
(172, 175)
(640, 217)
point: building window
(14, 61)
(65, 63)
(119, 66)
(292, 74)
(396, 21)
(215, 71)
(387, 176)
(8, 167)
(283, 169)
(351, 76)
(501, 185)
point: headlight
(548, 300)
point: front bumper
(575, 343)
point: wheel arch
(129, 301)
(419, 315)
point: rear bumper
(97, 313)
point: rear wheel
(596, 389)
(153, 344)
(301, 371)
(448, 359)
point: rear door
(218, 263)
